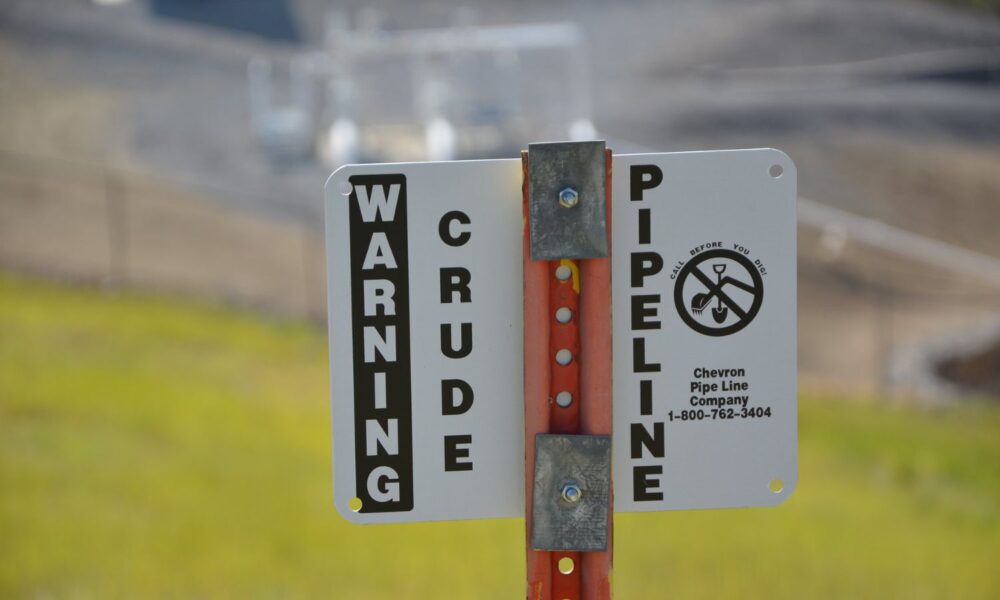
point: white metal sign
(703, 286)
(424, 275)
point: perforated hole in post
(564, 357)
(566, 565)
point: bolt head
(572, 493)
(569, 198)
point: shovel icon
(720, 312)
(701, 301)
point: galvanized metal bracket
(569, 504)
(567, 197)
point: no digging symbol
(718, 292)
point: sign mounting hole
(776, 485)
(354, 504)
(776, 171)
(344, 187)
(566, 565)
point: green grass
(158, 448)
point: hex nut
(569, 198)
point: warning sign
(704, 407)
(424, 271)
(426, 335)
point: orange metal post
(587, 293)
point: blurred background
(164, 422)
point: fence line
(123, 227)
(900, 241)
